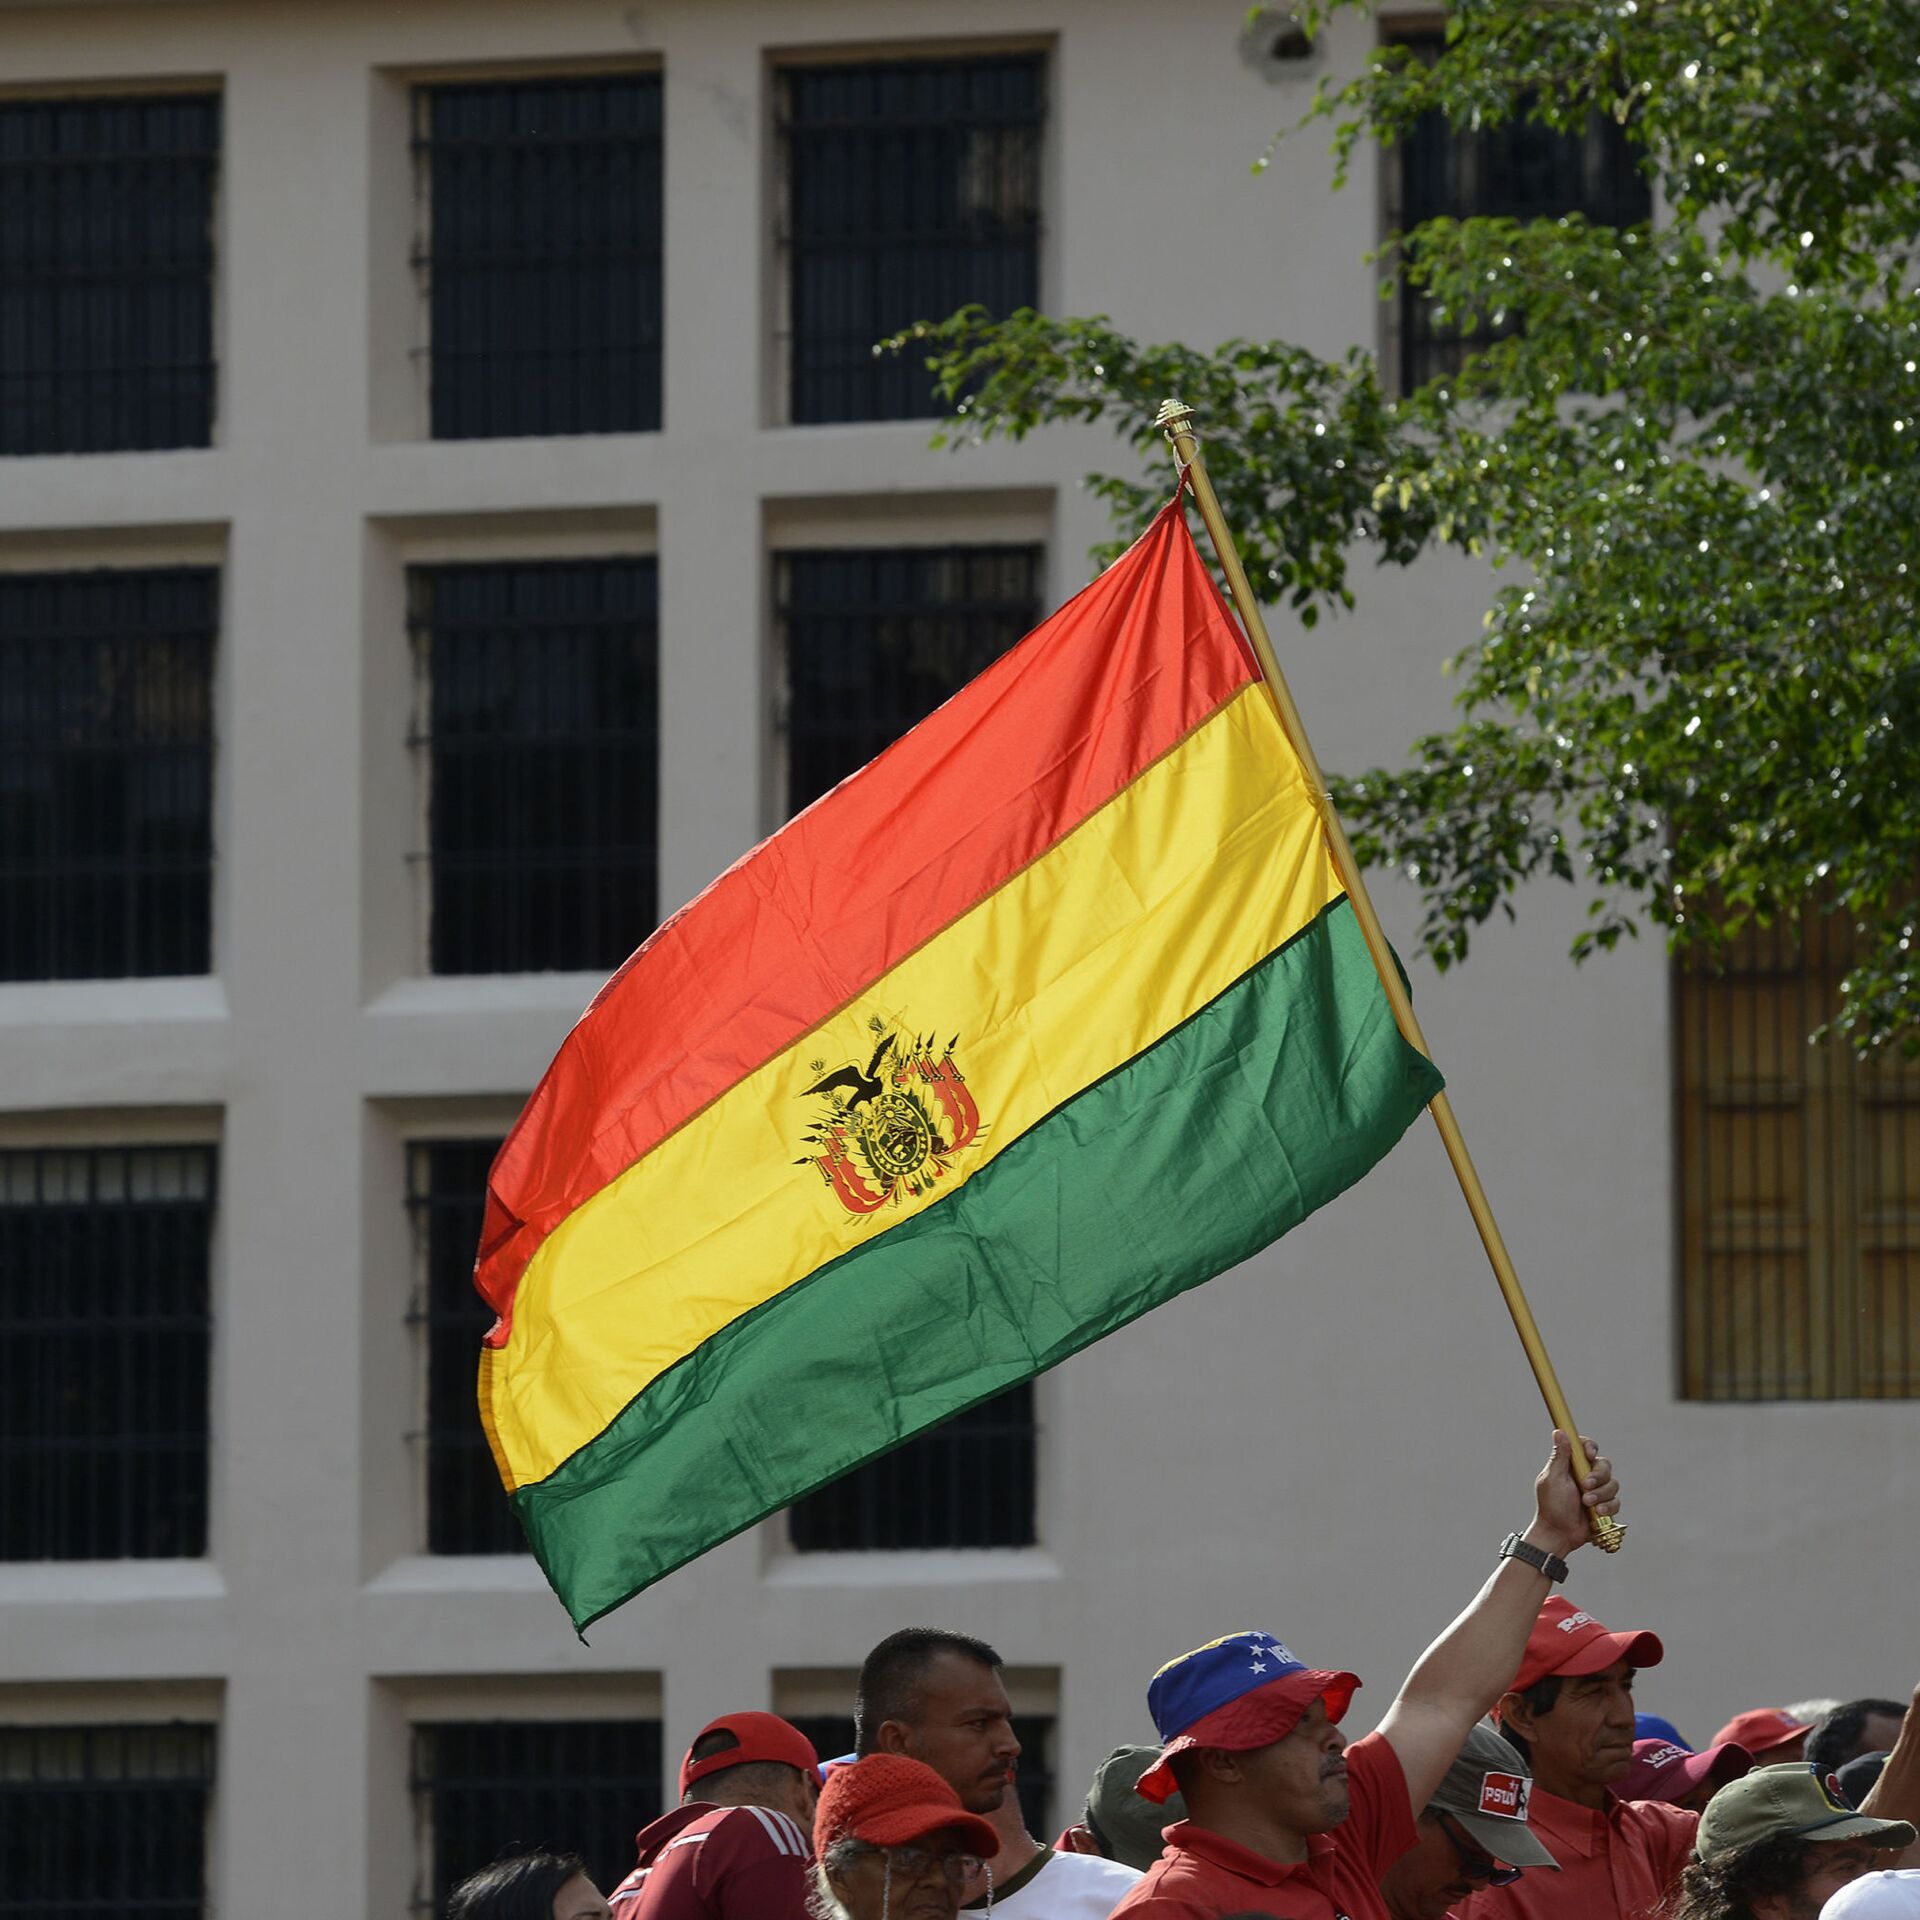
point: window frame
(1419, 31)
(184, 89)
(1810, 1338)
(544, 1716)
(110, 1816)
(425, 1207)
(780, 332)
(195, 1502)
(647, 415)
(522, 865)
(785, 555)
(112, 610)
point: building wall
(1328, 1442)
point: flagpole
(1176, 420)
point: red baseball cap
(1765, 1730)
(757, 1736)
(1567, 1639)
(1662, 1771)
(888, 1800)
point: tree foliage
(1697, 461)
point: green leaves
(1694, 452)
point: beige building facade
(1328, 1443)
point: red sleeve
(1681, 1828)
(1379, 1825)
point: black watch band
(1514, 1548)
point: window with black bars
(105, 1820)
(106, 773)
(874, 638)
(484, 1787)
(467, 1510)
(1519, 170)
(832, 1735)
(968, 1482)
(910, 188)
(537, 731)
(540, 254)
(1799, 1181)
(106, 272)
(106, 1299)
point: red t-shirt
(1616, 1865)
(717, 1863)
(1202, 1875)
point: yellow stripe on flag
(1144, 914)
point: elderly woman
(893, 1842)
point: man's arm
(1896, 1794)
(1468, 1668)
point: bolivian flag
(1051, 1012)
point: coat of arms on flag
(894, 1128)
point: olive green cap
(1792, 1799)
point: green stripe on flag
(1212, 1143)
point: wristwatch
(1514, 1548)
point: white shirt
(1070, 1886)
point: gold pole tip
(1609, 1535)
(1173, 416)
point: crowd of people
(1511, 1778)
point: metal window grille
(106, 773)
(105, 1295)
(482, 1788)
(105, 1821)
(875, 638)
(832, 1735)
(1799, 1182)
(540, 254)
(467, 1510)
(968, 1482)
(911, 188)
(1517, 171)
(537, 731)
(106, 272)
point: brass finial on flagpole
(1175, 419)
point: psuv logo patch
(1505, 1794)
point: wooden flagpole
(1176, 420)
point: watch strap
(1514, 1548)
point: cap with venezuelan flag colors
(1051, 1012)
(1242, 1691)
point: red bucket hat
(1567, 1639)
(1242, 1691)
(758, 1736)
(888, 1800)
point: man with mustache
(1283, 1818)
(1569, 1710)
(938, 1698)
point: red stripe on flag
(846, 890)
